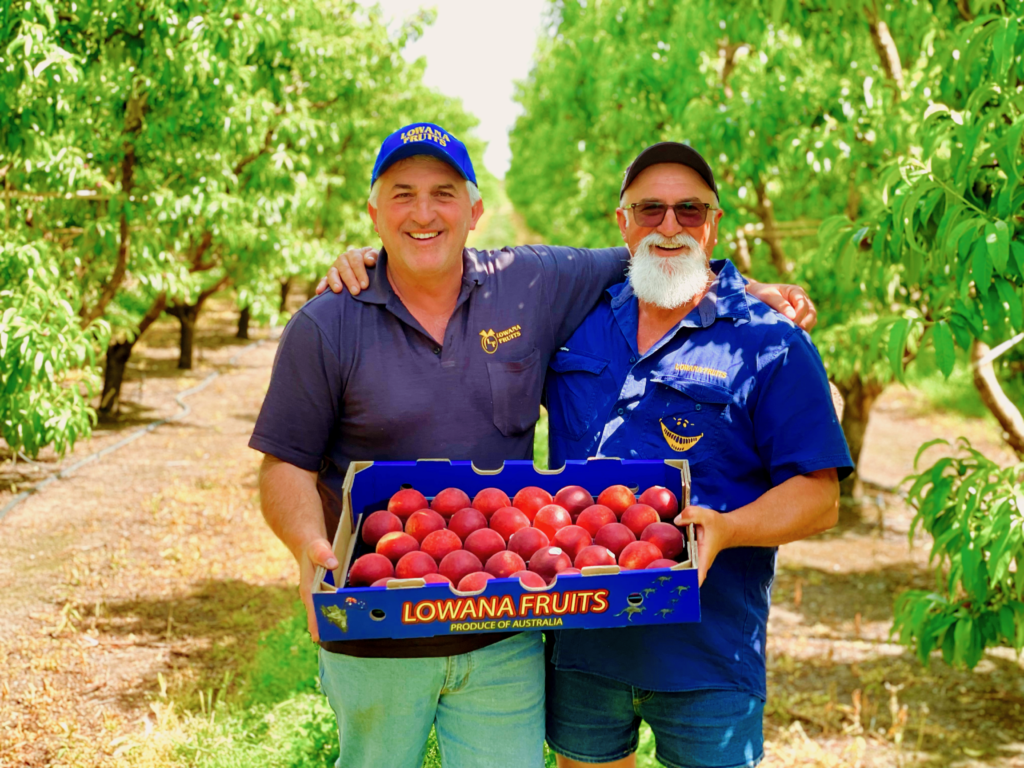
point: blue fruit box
(603, 596)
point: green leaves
(974, 511)
(945, 353)
(898, 335)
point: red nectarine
(572, 538)
(394, 545)
(663, 500)
(574, 499)
(474, 582)
(508, 520)
(405, 502)
(638, 555)
(530, 579)
(440, 543)
(484, 543)
(614, 536)
(368, 569)
(595, 517)
(638, 517)
(465, 521)
(547, 561)
(618, 498)
(527, 541)
(595, 554)
(413, 565)
(422, 522)
(662, 563)
(449, 501)
(503, 564)
(489, 500)
(666, 537)
(550, 518)
(379, 523)
(457, 564)
(530, 499)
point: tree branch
(764, 210)
(123, 246)
(991, 391)
(240, 166)
(886, 48)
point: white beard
(668, 281)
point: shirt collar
(380, 290)
(726, 297)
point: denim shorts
(487, 706)
(594, 719)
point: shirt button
(437, 350)
(632, 359)
(696, 407)
(621, 411)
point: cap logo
(425, 133)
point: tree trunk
(860, 397)
(991, 391)
(118, 354)
(286, 287)
(243, 322)
(187, 315)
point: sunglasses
(688, 214)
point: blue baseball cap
(423, 139)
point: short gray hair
(471, 188)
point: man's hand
(349, 271)
(317, 552)
(790, 300)
(713, 534)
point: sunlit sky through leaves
(475, 50)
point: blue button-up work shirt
(740, 392)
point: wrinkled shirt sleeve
(796, 427)
(303, 401)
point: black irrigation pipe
(93, 457)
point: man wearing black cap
(688, 365)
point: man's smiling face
(423, 215)
(668, 183)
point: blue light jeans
(487, 705)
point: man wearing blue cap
(442, 354)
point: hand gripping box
(603, 596)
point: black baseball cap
(669, 152)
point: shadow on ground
(225, 640)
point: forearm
(291, 505)
(800, 507)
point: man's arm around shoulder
(802, 506)
(291, 506)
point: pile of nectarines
(533, 536)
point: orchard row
(533, 537)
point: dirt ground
(147, 570)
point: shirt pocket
(690, 417)
(574, 392)
(515, 393)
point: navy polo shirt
(358, 378)
(739, 391)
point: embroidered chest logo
(676, 441)
(490, 341)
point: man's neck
(655, 322)
(430, 298)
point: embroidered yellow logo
(676, 442)
(425, 133)
(489, 340)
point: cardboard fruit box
(603, 596)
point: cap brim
(669, 152)
(418, 148)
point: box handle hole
(377, 614)
(635, 599)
